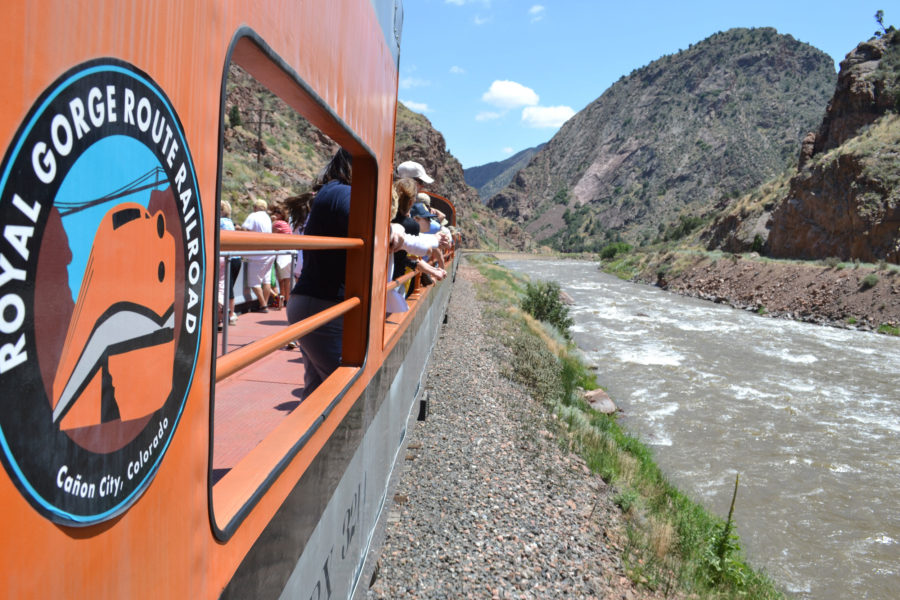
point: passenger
(426, 200)
(425, 220)
(234, 263)
(395, 302)
(419, 244)
(282, 261)
(416, 172)
(321, 283)
(258, 267)
(406, 193)
(298, 212)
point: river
(808, 415)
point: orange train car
(139, 459)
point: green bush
(234, 117)
(684, 227)
(869, 281)
(888, 329)
(542, 301)
(611, 250)
(758, 244)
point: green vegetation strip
(673, 545)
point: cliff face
(844, 200)
(864, 93)
(672, 138)
(417, 140)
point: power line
(138, 185)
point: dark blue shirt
(324, 270)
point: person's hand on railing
(435, 273)
(444, 239)
(396, 240)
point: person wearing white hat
(415, 171)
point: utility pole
(261, 119)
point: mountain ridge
(672, 138)
(492, 177)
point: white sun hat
(413, 170)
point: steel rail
(234, 361)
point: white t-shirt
(259, 222)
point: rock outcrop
(862, 94)
(844, 201)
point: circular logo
(102, 269)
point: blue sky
(498, 76)
(121, 159)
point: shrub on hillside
(869, 281)
(234, 117)
(542, 301)
(684, 227)
(611, 250)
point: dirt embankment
(842, 295)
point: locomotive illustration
(124, 321)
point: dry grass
(662, 537)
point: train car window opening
(259, 420)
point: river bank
(840, 295)
(802, 412)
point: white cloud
(416, 106)
(479, 20)
(486, 3)
(410, 82)
(457, 70)
(487, 116)
(536, 12)
(507, 150)
(546, 116)
(509, 94)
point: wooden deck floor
(251, 403)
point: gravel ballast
(488, 505)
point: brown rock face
(845, 199)
(859, 98)
(836, 209)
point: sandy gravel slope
(488, 505)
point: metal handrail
(241, 253)
(234, 361)
(251, 240)
(400, 280)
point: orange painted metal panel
(164, 540)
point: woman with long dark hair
(321, 282)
